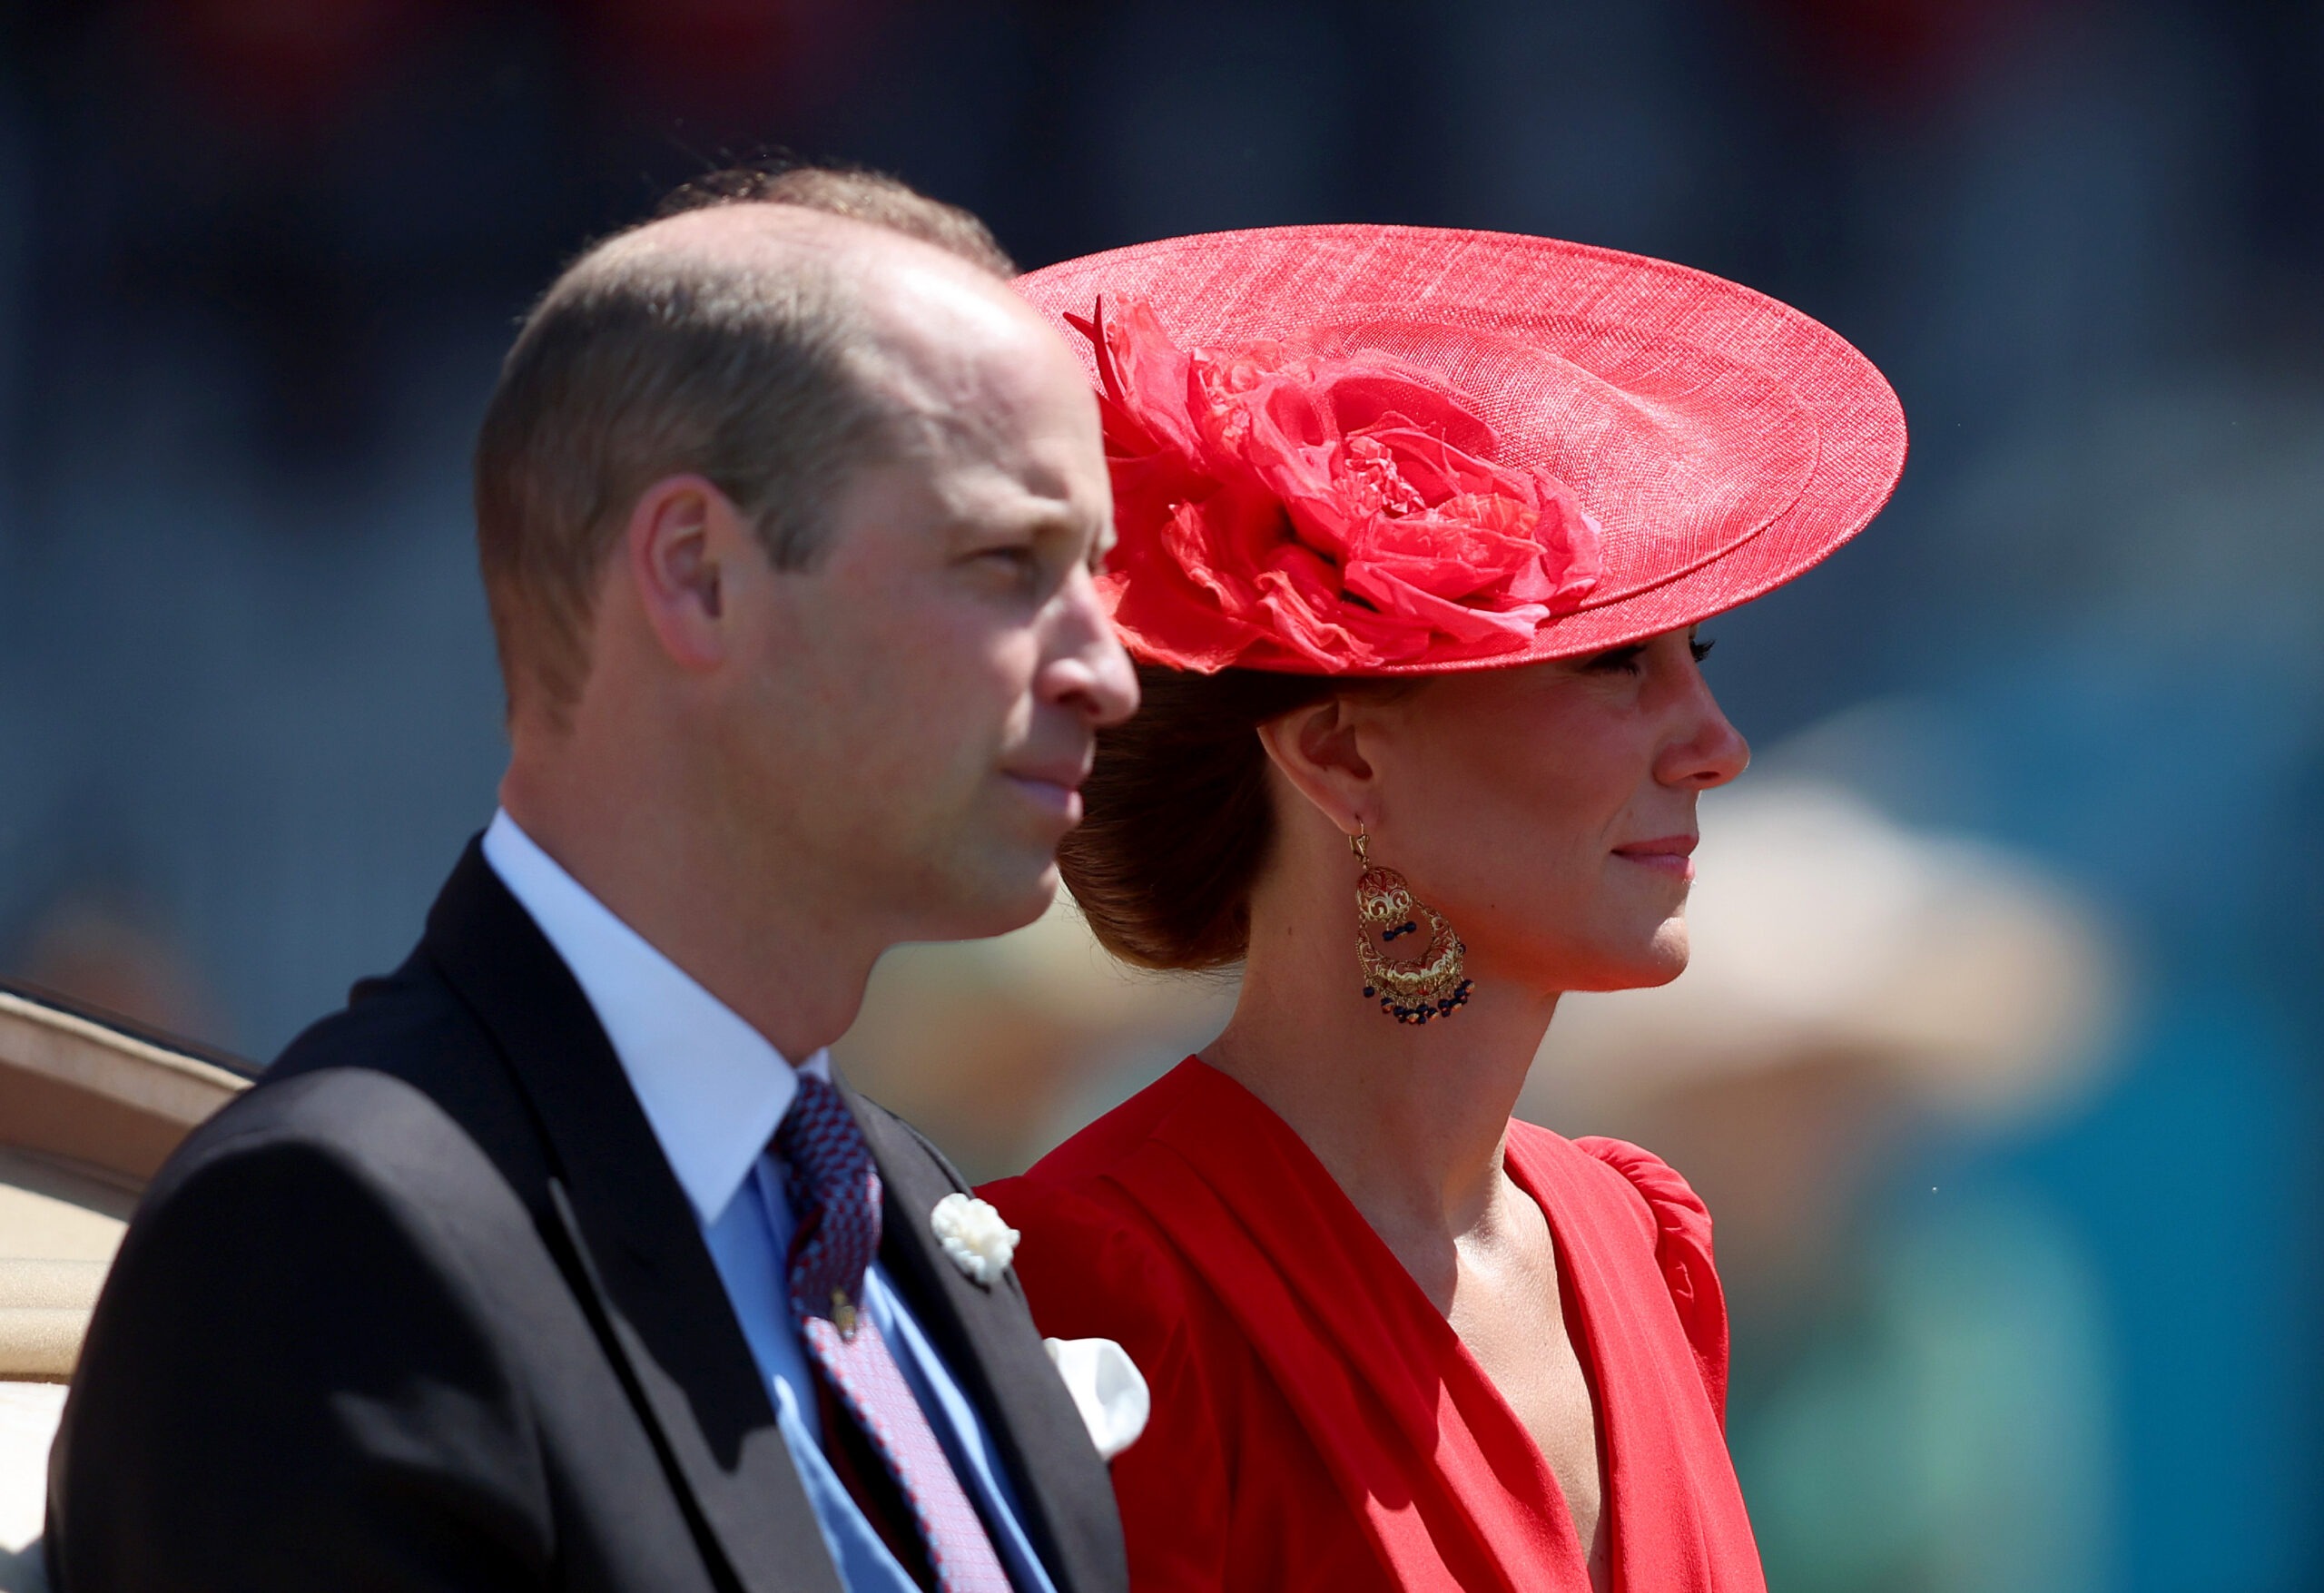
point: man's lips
(1055, 787)
(1671, 854)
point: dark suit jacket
(427, 1309)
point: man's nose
(1087, 670)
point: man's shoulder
(407, 1023)
(360, 1149)
(321, 1340)
(400, 1088)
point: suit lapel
(634, 1251)
(988, 1340)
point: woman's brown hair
(1178, 821)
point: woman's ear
(1315, 750)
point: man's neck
(778, 956)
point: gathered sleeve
(1682, 1249)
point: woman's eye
(1700, 647)
(1617, 661)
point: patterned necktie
(834, 1192)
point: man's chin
(1029, 904)
(995, 906)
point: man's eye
(1022, 571)
(1022, 562)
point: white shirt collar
(712, 1088)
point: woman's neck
(1409, 1120)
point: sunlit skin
(1547, 811)
(774, 775)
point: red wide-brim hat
(1402, 451)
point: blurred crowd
(2000, 1062)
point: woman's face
(1548, 811)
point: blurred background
(2019, 1190)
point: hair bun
(1178, 820)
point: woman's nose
(1710, 753)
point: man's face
(917, 711)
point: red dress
(1316, 1422)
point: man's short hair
(872, 197)
(640, 363)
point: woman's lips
(1669, 854)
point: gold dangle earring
(1430, 985)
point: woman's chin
(1666, 957)
(1638, 966)
(1660, 972)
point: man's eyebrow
(1054, 517)
(1047, 519)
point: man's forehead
(968, 371)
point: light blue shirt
(712, 1090)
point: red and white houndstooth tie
(834, 1192)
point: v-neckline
(1585, 1349)
(1579, 1322)
(1563, 1241)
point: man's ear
(681, 534)
(1315, 749)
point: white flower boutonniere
(974, 1236)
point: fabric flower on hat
(1318, 513)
